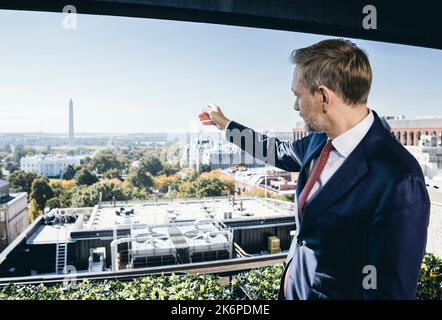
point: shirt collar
(347, 141)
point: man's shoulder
(390, 157)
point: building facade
(13, 214)
(216, 154)
(47, 166)
(407, 131)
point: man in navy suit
(362, 207)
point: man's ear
(325, 96)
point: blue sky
(144, 75)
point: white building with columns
(47, 166)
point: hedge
(186, 287)
(257, 284)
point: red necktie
(314, 176)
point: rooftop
(50, 158)
(125, 215)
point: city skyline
(131, 75)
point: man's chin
(311, 129)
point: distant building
(13, 214)
(407, 131)
(277, 181)
(71, 122)
(429, 155)
(47, 166)
(216, 154)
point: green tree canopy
(139, 177)
(152, 164)
(89, 196)
(12, 167)
(18, 154)
(169, 169)
(41, 192)
(21, 180)
(84, 197)
(209, 187)
(113, 174)
(85, 177)
(68, 173)
(106, 160)
(53, 203)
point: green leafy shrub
(186, 287)
(263, 284)
(258, 284)
(430, 281)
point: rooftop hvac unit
(273, 245)
(97, 259)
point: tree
(18, 154)
(85, 177)
(62, 191)
(163, 182)
(138, 177)
(53, 203)
(12, 167)
(209, 187)
(1, 171)
(205, 168)
(152, 164)
(187, 189)
(84, 197)
(33, 211)
(41, 192)
(113, 174)
(68, 173)
(169, 169)
(106, 160)
(21, 180)
(110, 191)
(89, 196)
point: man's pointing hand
(212, 115)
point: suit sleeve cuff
(226, 128)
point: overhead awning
(414, 23)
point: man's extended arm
(286, 155)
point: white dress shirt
(343, 145)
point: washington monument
(71, 122)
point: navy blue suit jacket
(363, 234)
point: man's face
(308, 105)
